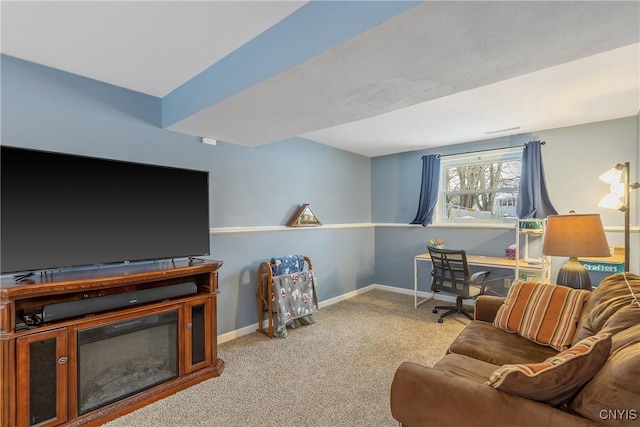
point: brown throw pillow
(543, 313)
(560, 377)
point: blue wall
(261, 187)
(573, 158)
(52, 110)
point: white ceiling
(440, 73)
(147, 46)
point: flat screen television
(60, 211)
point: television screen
(61, 210)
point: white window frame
(469, 159)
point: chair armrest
(474, 276)
(423, 396)
(487, 307)
(474, 279)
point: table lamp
(573, 236)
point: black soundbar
(65, 310)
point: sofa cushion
(422, 396)
(481, 340)
(558, 378)
(610, 308)
(612, 397)
(466, 367)
(543, 313)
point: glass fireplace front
(124, 358)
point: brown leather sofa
(454, 391)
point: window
(480, 187)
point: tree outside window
(483, 188)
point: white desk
(477, 260)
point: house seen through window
(479, 187)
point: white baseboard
(252, 328)
(345, 296)
(237, 333)
(421, 294)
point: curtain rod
(483, 151)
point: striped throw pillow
(543, 313)
(558, 378)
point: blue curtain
(428, 189)
(533, 199)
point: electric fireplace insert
(121, 359)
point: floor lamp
(618, 177)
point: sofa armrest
(486, 307)
(423, 396)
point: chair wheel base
(440, 321)
(435, 311)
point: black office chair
(450, 273)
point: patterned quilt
(287, 264)
(294, 295)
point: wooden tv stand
(51, 385)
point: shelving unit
(525, 267)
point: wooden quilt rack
(265, 305)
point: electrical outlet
(507, 282)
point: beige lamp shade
(575, 235)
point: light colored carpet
(336, 372)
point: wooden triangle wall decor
(304, 217)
